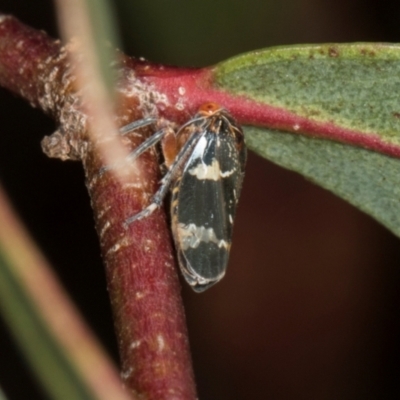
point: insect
(205, 159)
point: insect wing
(204, 206)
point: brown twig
(142, 281)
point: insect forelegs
(166, 182)
(156, 200)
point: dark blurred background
(309, 308)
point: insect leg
(156, 202)
(151, 141)
(136, 125)
(166, 181)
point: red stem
(142, 280)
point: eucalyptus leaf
(2, 395)
(105, 37)
(368, 180)
(354, 86)
(48, 359)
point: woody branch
(142, 281)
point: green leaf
(105, 37)
(353, 86)
(91, 27)
(49, 362)
(366, 179)
(2, 395)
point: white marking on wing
(212, 172)
(191, 236)
(199, 149)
